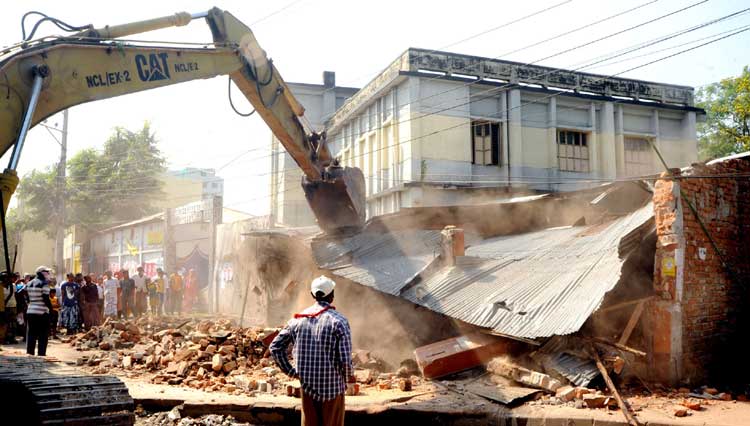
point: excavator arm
(41, 78)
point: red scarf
(313, 315)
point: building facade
(437, 128)
(288, 204)
(188, 185)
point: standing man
(323, 353)
(161, 285)
(141, 291)
(90, 299)
(99, 280)
(175, 293)
(127, 286)
(111, 288)
(70, 294)
(9, 284)
(37, 313)
(22, 304)
(54, 313)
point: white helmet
(322, 284)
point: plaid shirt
(322, 350)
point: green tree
(128, 171)
(727, 127)
(116, 185)
(36, 193)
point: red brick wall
(713, 301)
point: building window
(485, 143)
(572, 151)
(638, 159)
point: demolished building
(625, 265)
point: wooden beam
(623, 305)
(623, 405)
(616, 345)
(632, 322)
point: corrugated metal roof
(579, 371)
(383, 261)
(537, 284)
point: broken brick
(217, 362)
(566, 393)
(404, 385)
(594, 401)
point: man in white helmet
(323, 353)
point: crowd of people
(37, 307)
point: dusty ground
(426, 397)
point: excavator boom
(44, 77)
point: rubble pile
(372, 373)
(214, 356)
(211, 355)
(175, 418)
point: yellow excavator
(40, 77)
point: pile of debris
(214, 356)
(175, 418)
(211, 355)
(372, 373)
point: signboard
(668, 267)
(154, 238)
(195, 212)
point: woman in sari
(191, 291)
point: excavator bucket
(338, 201)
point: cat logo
(153, 68)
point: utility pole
(60, 205)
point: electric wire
(401, 142)
(562, 92)
(506, 24)
(505, 86)
(586, 26)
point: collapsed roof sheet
(385, 262)
(536, 284)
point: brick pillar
(452, 244)
(665, 317)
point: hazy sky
(357, 39)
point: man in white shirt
(141, 291)
(111, 285)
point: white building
(213, 185)
(437, 128)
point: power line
(509, 23)
(562, 92)
(276, 12)
(639, 46)
(553, 71)
(575, 30)
(479, 81)
(492, 91)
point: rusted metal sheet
(458, 354)
(508, 395)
